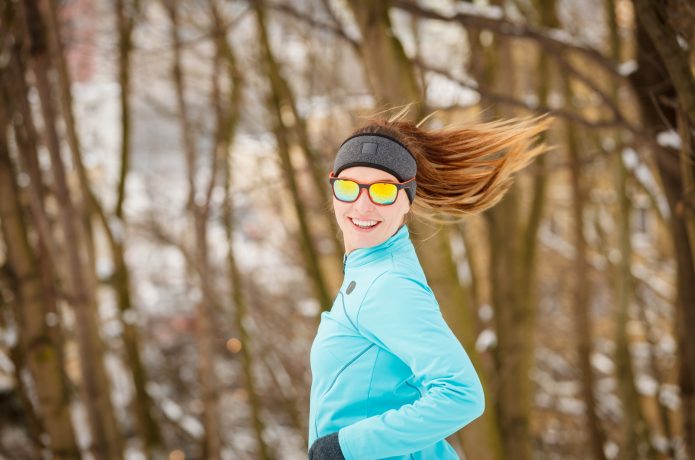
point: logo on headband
(369, 147)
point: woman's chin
(364, 240)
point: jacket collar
(361, 256)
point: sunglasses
(380, 193)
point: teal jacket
(387, 372)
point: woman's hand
(326, 448)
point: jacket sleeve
(402, 315)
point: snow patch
(602, 363)
(669, 138)
(682, 42)
(485, 312)
(486, 340)
(573, 406)
(443, 92)
(646, 385)
(669, 396)
(627, 67)
(308, 307)
(486, 11)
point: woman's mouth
(364, 225)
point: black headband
(378, 151)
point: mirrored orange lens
(383, 193)
(346, 190)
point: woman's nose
(363, 201)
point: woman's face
(388, 218)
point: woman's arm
(402, 315)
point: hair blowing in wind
(464, 170)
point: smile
(364, 225)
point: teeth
(364, 223)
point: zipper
(344, 262)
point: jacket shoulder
(401, 274)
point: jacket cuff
(344, 444)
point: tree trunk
(635, 432)
(634, 428)
(227, 116)
(106, 439)
(512, 246)
(205, 332)
(581, 300)
(656, 94)
(653, 338)
(147, 426)
(237, 284)
(674, 57)
(37, 343)
(282, 131)
(512, 327)
(383, 57)
(319, 177)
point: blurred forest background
(167, 240)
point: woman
(389, 378)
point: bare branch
(544, 38)
(333, 28)
(510, 100)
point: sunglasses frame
(399, 185)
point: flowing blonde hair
(464, 170)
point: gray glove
(326, 448)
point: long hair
(464, 170)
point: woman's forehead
(367, 174)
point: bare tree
(276, 99)
(227, 117)
(658, 98)
(199, 210)
(81, 281)
(39, 341)
(581, 290)
(635, 431)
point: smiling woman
(362, 222)
(389, 378)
